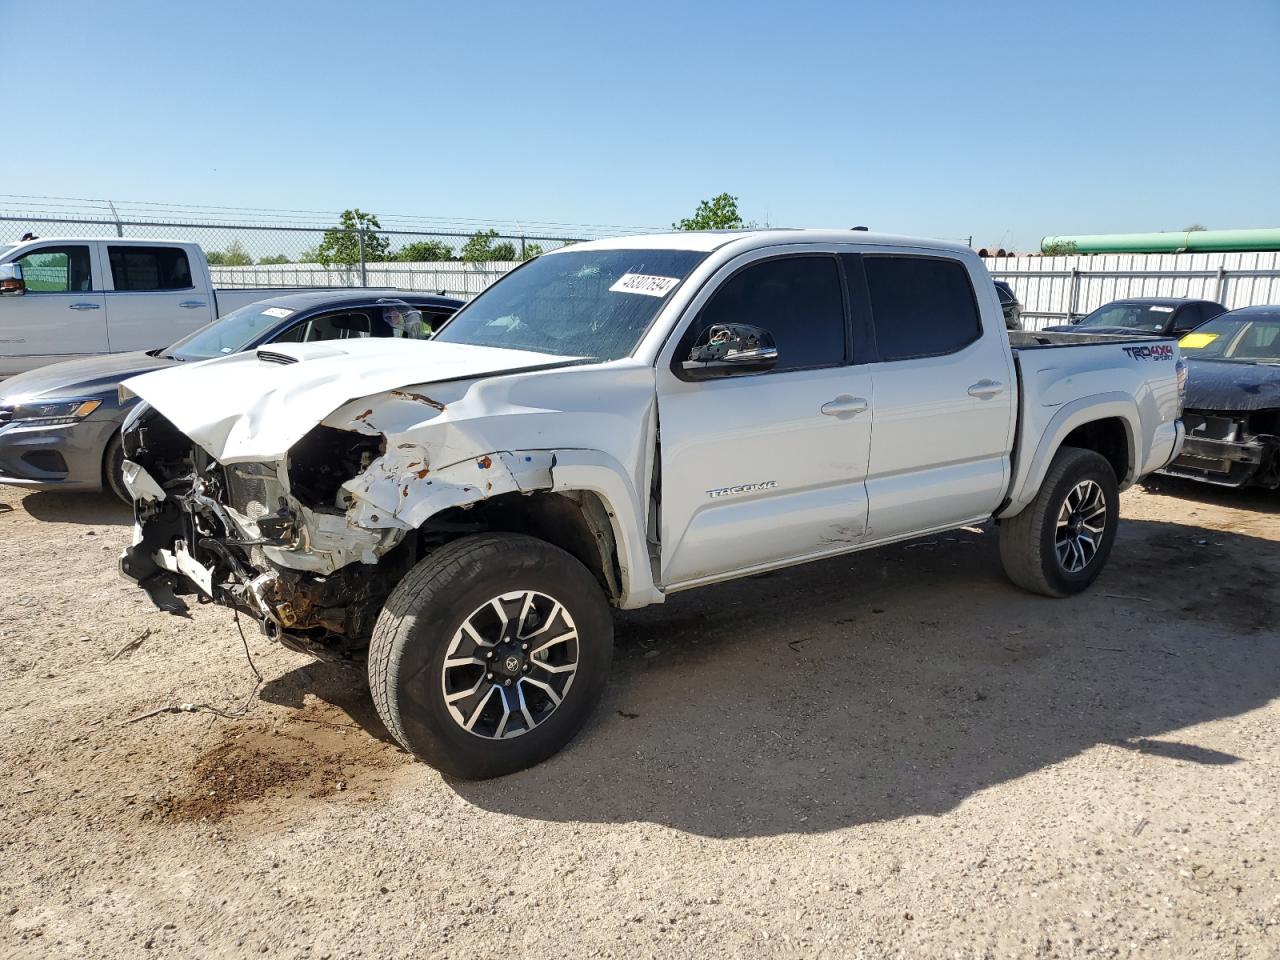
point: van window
(149, 268)
(921, 306)
(57, 270)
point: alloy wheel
(510, 665)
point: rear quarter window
(920, 306)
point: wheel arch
(580, 500)
(1108, 424)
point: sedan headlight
(53, 412)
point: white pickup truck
(610, 424)
(67, 297)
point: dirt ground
(895, 754)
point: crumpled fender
(399, 489)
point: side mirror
(729, 349)
(11, 282)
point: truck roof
(708, 240)
(124, 241)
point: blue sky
(1004, 121)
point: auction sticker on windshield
(643, 283)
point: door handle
(844, 406)
(191, 304)
(85, 306)
(986, 389)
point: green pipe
(1194, 241)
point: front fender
(400, 490)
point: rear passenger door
(945, 394)
(152, 299)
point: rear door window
(149, 268)
(920, 306)
(61, 269)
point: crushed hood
(1229, 385)
(80, 378)
(256, 405)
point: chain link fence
(285, 254)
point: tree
(718, 213)
(531, 250)
(1194, 228)
(278, 258)
(480, 248)
(425, 251)
(1059, 248)
(309, 255)
(341, 245)
(234, 256)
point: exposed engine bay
(205, 529)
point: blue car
(60, 424)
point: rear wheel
(113, 469)
(490, 655)
(1059, 544)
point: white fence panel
(455, 278)
(1053, 288)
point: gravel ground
(895, 754)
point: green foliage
(424, 251)
(480, 248)
(309, 255)
(1194, 228)
(718, 213)
(234, 256)
(1061, 248)
(341, 245)
(278, 258)
(531, 250)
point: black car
(60, 424)
(1145, 316)
(1009, 305)
(1232, 410)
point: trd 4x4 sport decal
(1161, 351)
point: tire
(422, 624)
(113, 469)
(1030, 543)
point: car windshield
(1148, 317)
(228, 334)
(589, 303)
(1243, 338)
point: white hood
(243, 407)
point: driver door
(760, 469)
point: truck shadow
(899, 682)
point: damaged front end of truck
(271, 540)
(308, 531)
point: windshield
(1241, 337)
(228, 334)
(592, 303)
(1148, 317)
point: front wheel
(1059, 544)
(490, 654)
(113, 470)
